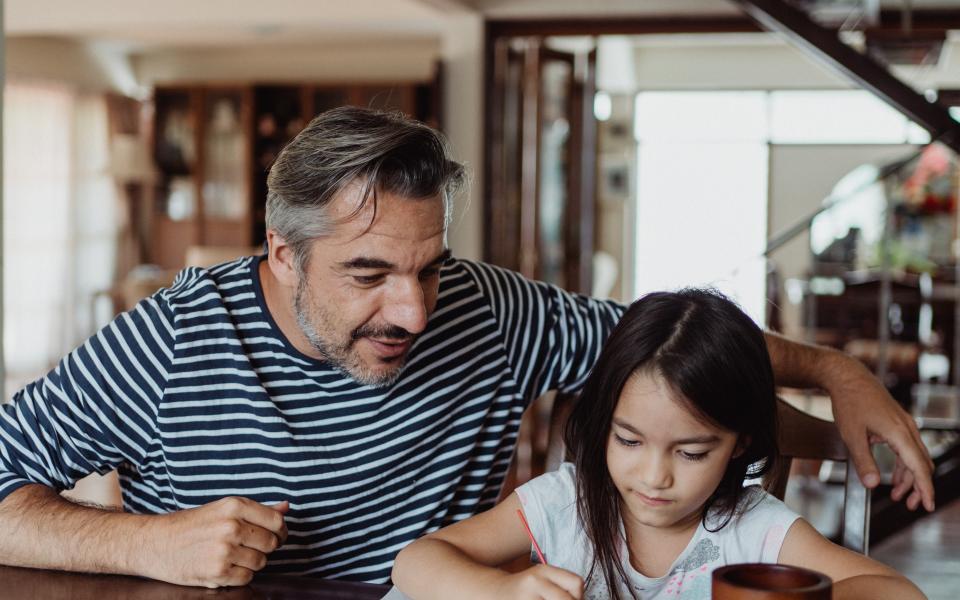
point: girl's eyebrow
(698, 439)
(627, 426)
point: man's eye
(367, 279)
(428, 273)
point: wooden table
(31, 584)
(927, 552)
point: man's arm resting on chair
(220, 544)
(864, 411)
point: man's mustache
(389, 332)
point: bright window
(701, 116)
(837, 117)
(702, 177)
(702, 200)
(59, 225)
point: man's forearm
(796, 364)
(865, 413)
(41, 529)
(218, 544)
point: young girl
(679, 410)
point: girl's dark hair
(715, 359)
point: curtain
(60, 223)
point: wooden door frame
(518, 227)
(494, 29)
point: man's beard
(341, 355)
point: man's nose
(406, 307)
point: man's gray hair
(382, 152)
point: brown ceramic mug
(758, 581)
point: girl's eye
(626, 442)
(693, 456)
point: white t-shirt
(549, 503)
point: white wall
(463, 119)
(3, 60)
(727, 62)
(759, 61)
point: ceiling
(214, 22)
(146, 23)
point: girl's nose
(657, 474)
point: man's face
(368, 289)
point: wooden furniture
(804, 436)
(540, 172)
(202, 148)
(539, 204)
(207, 256)
(926, 551)
(214, 144)
(920, 320)
(59, 585)
(801, 436)
(764, 581)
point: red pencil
(536, 546)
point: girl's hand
(542, 582)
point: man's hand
(223, 543)
(865, 414)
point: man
(316, 409)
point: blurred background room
(800, 155)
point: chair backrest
(801, 436)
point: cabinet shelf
(213, 146)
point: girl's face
(664, 461)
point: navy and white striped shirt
(196, 395)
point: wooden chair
(801, 436)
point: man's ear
(743, 442)
(281, 259)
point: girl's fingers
(552, 591)
(570, 583)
